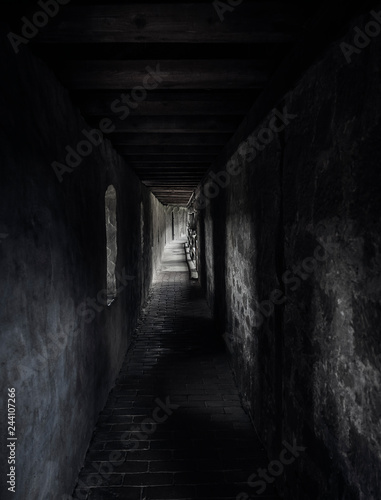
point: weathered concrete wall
(299, 291)
(332, 318)
(176, 222)
(180, 218)
(61, 346)
(208, 255)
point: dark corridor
(173, 426)
(247, 364)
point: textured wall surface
(176, 222)
(61, 346)
(298, 294)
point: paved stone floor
(173, 426)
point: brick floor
(198, 443)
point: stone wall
(61, 345)
(176, 222)
(297, 294)
(180, 218)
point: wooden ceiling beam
(168, 108)
(170, 194)
(167, 150)
(166, 74)
(179, 178)
(162, 139)
(251, 22)
(164, 170)
(197, 141)
(174, 124)
(157, 51)
(163, 160)
(188, 185)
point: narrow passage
(173, 426)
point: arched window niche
(111, 242)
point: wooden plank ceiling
(213, 72)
